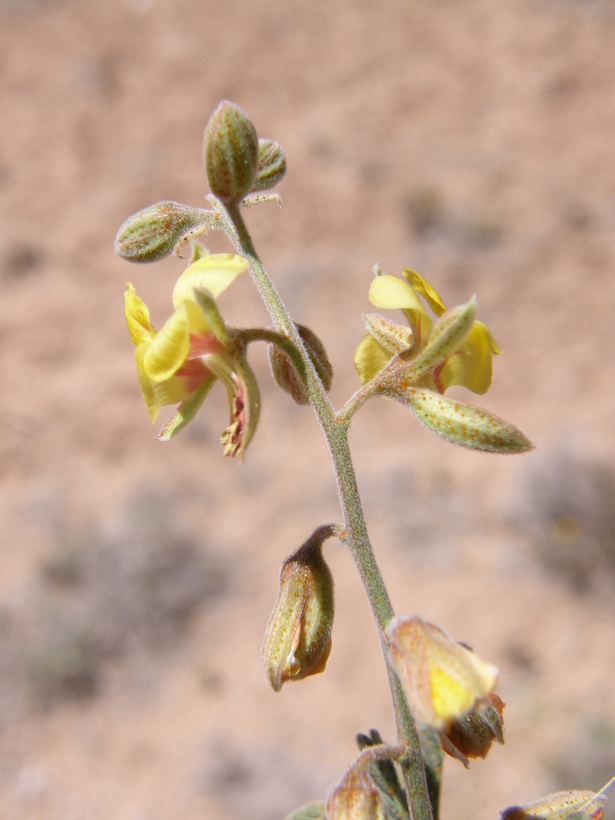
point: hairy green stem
(335, 430)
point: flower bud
(153, 232)
(271, 165)
(443, 679)
(298, 636)
(285, 373)
(230, 152)
(356, 797)
(472, 735)
(393, 337)
(561, 806)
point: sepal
(460, 423)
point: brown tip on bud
(472, 735)
(230, 152)
(153, 232)
(271, 165)
(298, 636)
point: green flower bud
(153, 232)
(271, 165)
(286, 374)
(393, 337)
(298, 636)
(230, 152)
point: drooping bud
(443, 679)
(355, 797)
(298, 636)
(271, 165)
(393, 337)
(230, 152)
(286, 374)
(471, 736)
(153, 232)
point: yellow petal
(472, 364)
(370, 358)
(171, 391)
(169, 350)
(429, 293)
(215, 272)
(393, 293)
(146, 385)
(137, 317)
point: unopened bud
(153, 232)
(271, 165)
(393, 337)
(471, 736)
(230, 152)
(298, 636)
(586, 805)
(285, 373)
(356, 797)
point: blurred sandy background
(470, 139)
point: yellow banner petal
(393, 293)
(215, 272)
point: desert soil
(472, 141)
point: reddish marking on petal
(203, 343)
(194, 373)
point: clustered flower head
(180, 363)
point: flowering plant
(442, 692)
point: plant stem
(335, 430)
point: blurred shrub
(566, 507)
(124, 592)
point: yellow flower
(180, 362)
(469, 365)
(443, 679)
